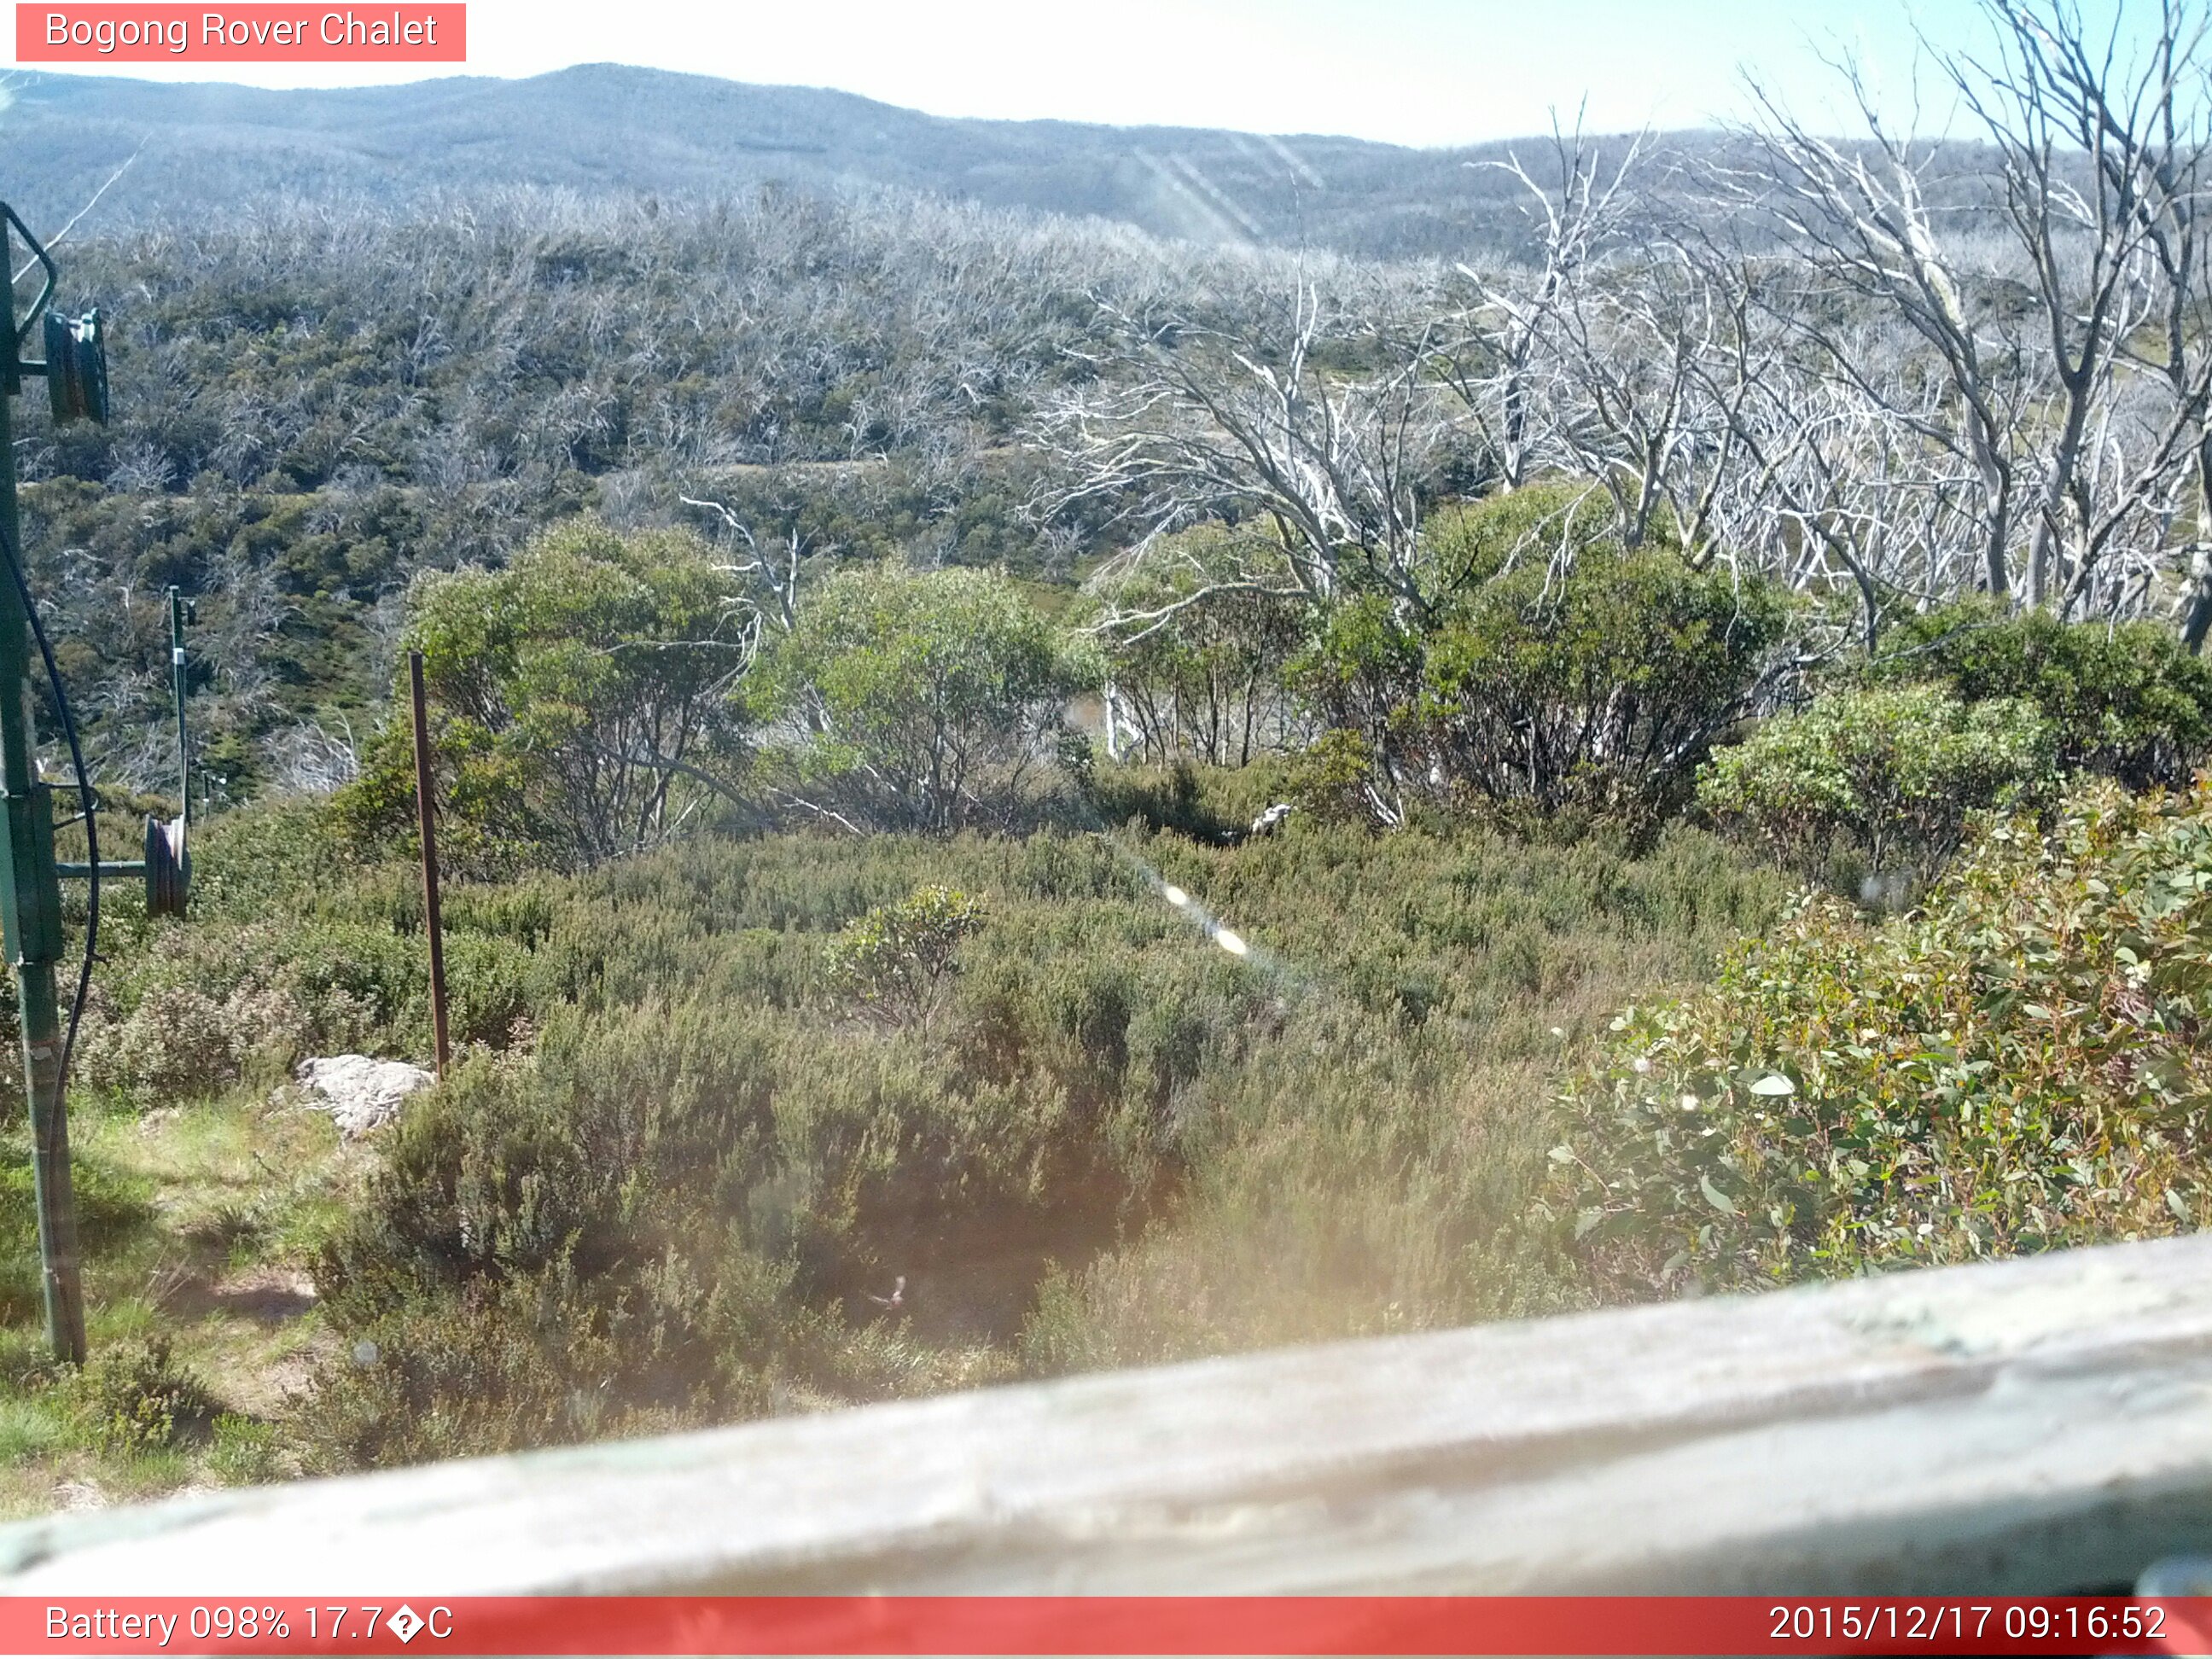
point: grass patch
(197, 1220)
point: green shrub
(1554, 669)
(925, 700)
(175, 1045)
(1197, 633)
(2127, 700)
(1889, 777)
(895, 961)
(244, 1451)
(666, 1210)
(2021, 1065)
(1332, 777)
(138, 1399)
(1361, 674)
(583, 702)
(295, 948)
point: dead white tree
(2146, 127)
(1285, 419)
(1860, 217)
(1652, 361)
(2047, 98)
(1848, 495)
(2056, 299)
(768, 569)
(1496, 359)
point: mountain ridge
(204, 146)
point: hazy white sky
(1412, 72)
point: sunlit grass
(197, 1222)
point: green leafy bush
(687, 1193)
(1332, 777)
(1554, 669)
(671, 1211)
(895, 961)
(1197, 633)
(1888, 777)
(192, 1010)
(924, 701)
(297, 947)
(1361, 675)
(2022, 1064)
(584, 701)
(180, 1044)
(685, 1201)
(138, 1399)
(2126, 700)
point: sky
(1404, 71)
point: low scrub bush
(1555, 669)
(293, 948)
(137, 1399)
(2022, 1064)
(2127, 700)
(1206, 804)
(897, 962)
(692, 1198)
(671, 1211)
(674, 1181)
(244, 1451)
(1887, 779)
(919, 702)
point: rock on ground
(360, 1093)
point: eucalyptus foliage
(585, 699)
(1197, 633)
(2126, 699)
(2020, 1065)
(921, 701)
(1888, 777)
(1552, 667)
(895, 961)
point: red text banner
(367, 33)
(1010, 1624)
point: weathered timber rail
(2035, 1426)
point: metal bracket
(166, 868)
(77, 368)
(14, 368)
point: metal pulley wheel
(77, 368)
(168, 867)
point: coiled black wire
(85, 797)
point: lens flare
(1194, 912)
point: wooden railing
(2036, 1426)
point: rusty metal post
(426, 814)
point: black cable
(85, 797)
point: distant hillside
(606, 126)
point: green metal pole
(30, 932)
(176, 685)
